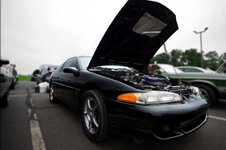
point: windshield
(222, 68)
(169, 68)
(116, 68)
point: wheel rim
(91, 115)
(204, 94)
(51, 93)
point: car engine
(144, 81)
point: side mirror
(3, 62)
(73, 70)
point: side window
(192, 70)
(183, 69)
(74, 63)
(67, 63)
(70, 63)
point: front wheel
(207, 92)
(94, 116)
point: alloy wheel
(51, 92)
(90, 115)
(204, 94)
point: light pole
(200, 34)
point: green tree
(176, 57)
(193, 58)
(189, 57)
(211, 60)
(184, 60)
(161, 58)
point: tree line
(190, 57)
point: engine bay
(144, 81)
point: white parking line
(217, 118)
(36, 135)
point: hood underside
(135, 35)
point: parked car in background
(35, 75)
(45, 73)
(111, 92)
(12, 69)
(194, 69)
(212, 85)
(6, 80)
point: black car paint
(122, 46)
(142, 121)
(74, 86)
(70, 88)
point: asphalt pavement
(57, 127)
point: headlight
(150, 97)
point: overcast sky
(35, 32)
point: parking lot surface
(32, 122)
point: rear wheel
(12, 86)
(207, 92)
(52, 98)
(94, 116)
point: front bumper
(163, 121)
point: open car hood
(135, 35)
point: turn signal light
(129, 97)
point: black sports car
(114, 95)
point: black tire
(207, 92)
(52, 98)
(94, 116)
(12, 86)
(5, 100)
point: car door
(69, 81)
(57, 83)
